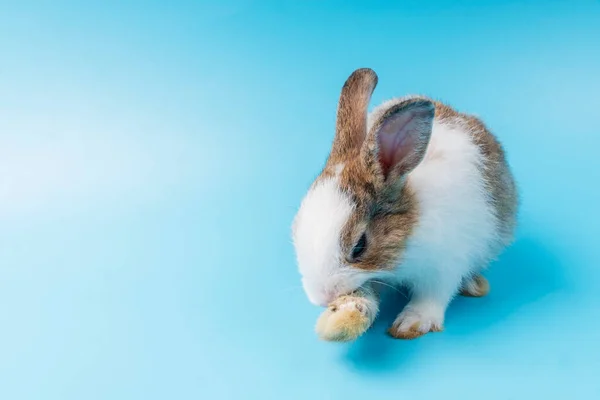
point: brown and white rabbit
(415, 194)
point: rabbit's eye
(360, 247)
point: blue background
(153, 154)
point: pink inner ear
(397, 140)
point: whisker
(393, 287)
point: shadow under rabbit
(526, 272)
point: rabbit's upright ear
(351, 124)
(398, 140)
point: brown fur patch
(387, 219)
(351, 123)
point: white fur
(456, 234)
(316, 235)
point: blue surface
(152, 156)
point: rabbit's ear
(351, 124)
(397, 141)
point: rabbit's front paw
(346, 319)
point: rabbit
(413, 194)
